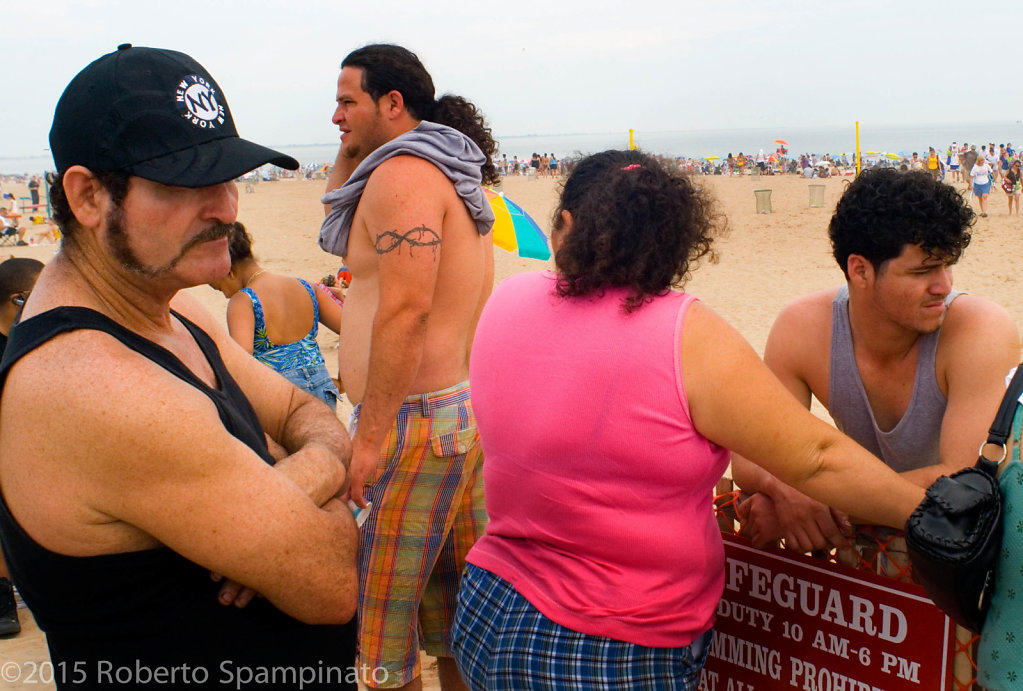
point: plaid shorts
(427, 512)
(503, 643)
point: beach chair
(9, 231)
(9, 236)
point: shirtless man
(870, 351)
(133, 430)
(421, 256)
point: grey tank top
(913, 442)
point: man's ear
(860, 270)
(85, 196)
(392, 104)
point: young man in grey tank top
(906, 367)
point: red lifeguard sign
(788, 621)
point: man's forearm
(748, 475)
(339, 174)
(318, 446)
(317, 472)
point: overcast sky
(550, 66)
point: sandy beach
(765, 261)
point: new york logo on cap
(197, 101)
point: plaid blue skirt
(502, 643)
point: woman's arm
(736, 402)
(241, 320)
(330, 307)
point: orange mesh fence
(878, 550)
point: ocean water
(693, 143)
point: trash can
(816, 196)
(763, 201)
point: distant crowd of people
(957, 160)
(541, 165)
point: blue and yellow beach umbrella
(515, 230)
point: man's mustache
(214, 232)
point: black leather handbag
(955, 535)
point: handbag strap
(1002, 425)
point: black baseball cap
(156, 114)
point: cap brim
(210, 163)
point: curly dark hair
(115, 183)
(462, 115)
(884, 210)
(637, 223)
(386, 68)
(239, 243)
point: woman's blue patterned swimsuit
(301, 362)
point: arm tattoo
(420, 236)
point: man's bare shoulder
(405, 173)
(968, 311)
(91, 375)
(407, 191)
(806, 316)
(86, 411)
(799, 342)
(974, 322)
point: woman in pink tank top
(607, 402)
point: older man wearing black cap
(134, 432)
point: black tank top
(112, 619)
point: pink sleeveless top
(598, 488)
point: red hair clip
(632, 167)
